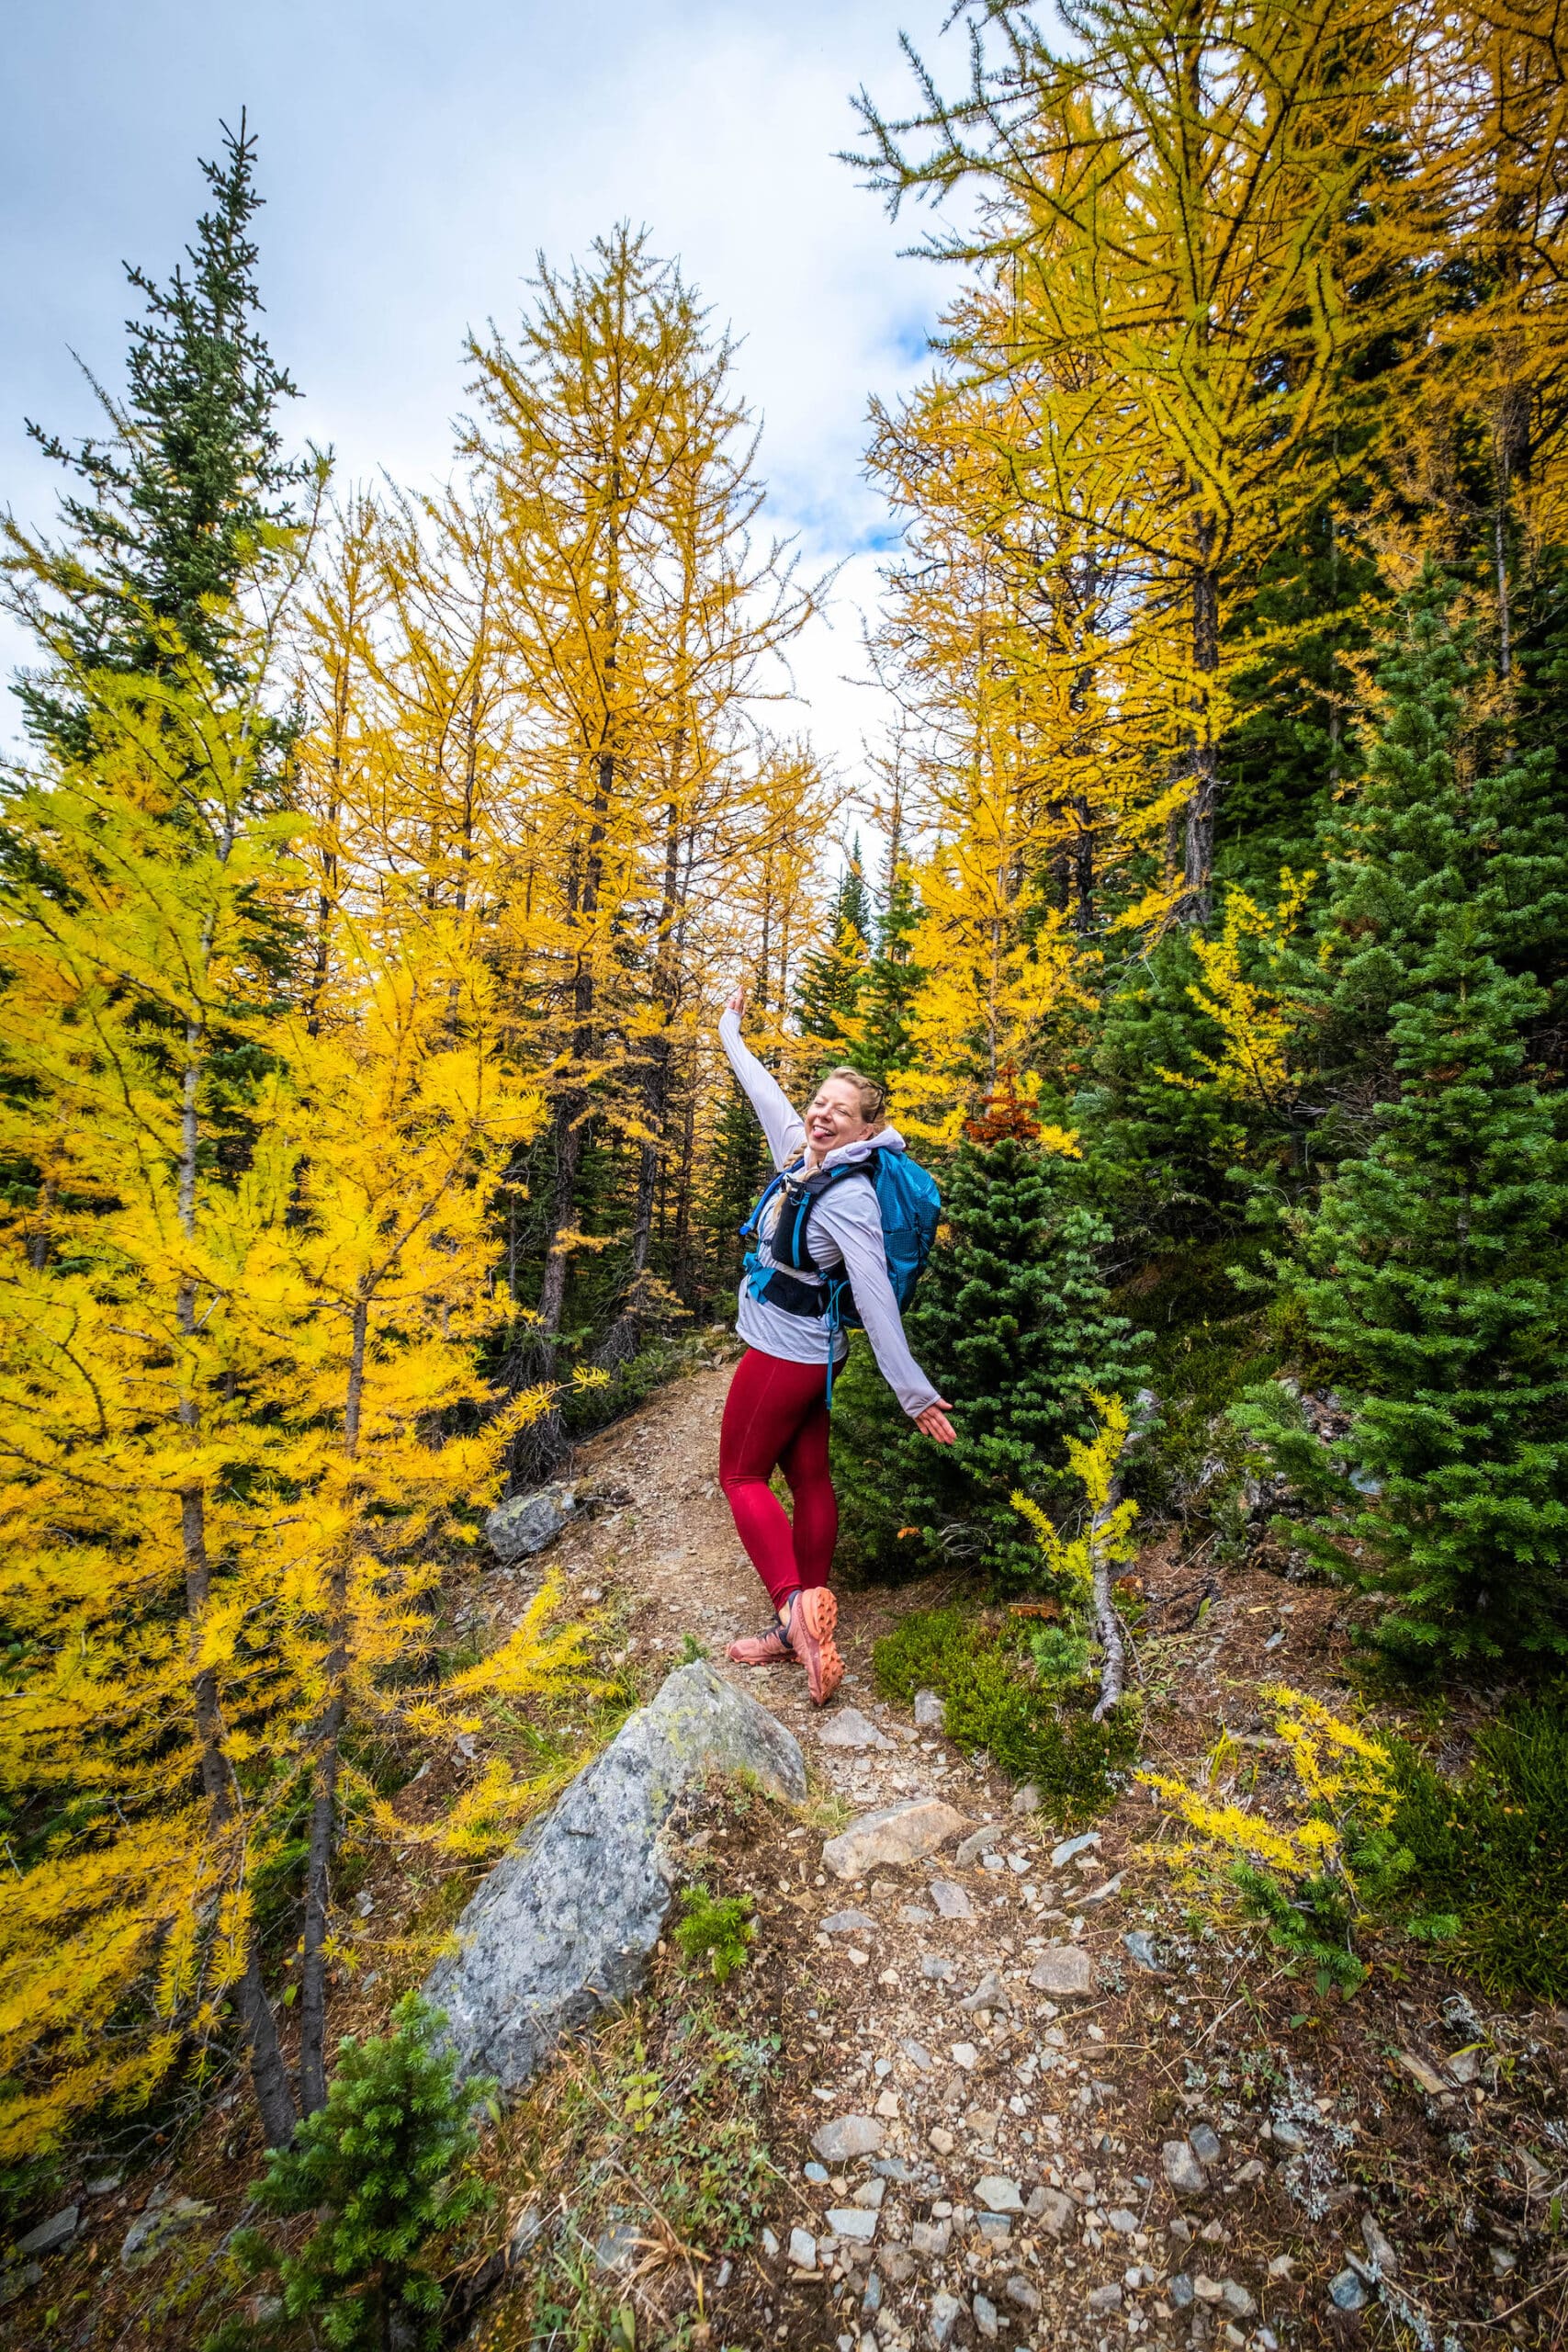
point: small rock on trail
(900, 1833)
(525, 1525)
(847, 1727)
(1064, 1970)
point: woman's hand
(738, 999)
(933, 1422)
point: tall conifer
(832, 978)
(188, 496)
(1434, 1272)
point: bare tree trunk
(570, 1111)
(466, 830)
(573, 1110)
(1202, 808)
(1107, 1620)
(39, 1239)
(541, 1445)
(325, 1774)
(318, 1865)
(621, 1341)
(269, 2076)
(1078, 600)
(1083, 869)
(326, 896)
(685, 1269)
(1511, 462)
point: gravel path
(1023, 2098)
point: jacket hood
(884, 1139)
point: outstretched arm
(783, 1126)
(849, 1214)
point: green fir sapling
(1012, 1322)
(385, 2166)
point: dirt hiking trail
(1015, 2088)
(1024, 2096)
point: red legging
(776, 1416)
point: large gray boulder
(564, 1925)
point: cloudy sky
(415, 158)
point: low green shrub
(1491, 1851)
(715, 1932)
(1035, 1720)
(385, 2166)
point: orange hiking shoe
(771, 1649)
(811, 1623)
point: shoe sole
(785, 1658)
(817, 1614)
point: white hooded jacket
(846, 1230)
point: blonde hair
(872, 1093)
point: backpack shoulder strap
(752, 1223)
(822, 1180)
(801, 1197)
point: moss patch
(1490, 1849)
(995, 1701)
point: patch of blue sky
(411, 175)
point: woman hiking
(775, 1416)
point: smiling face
(833, 1118)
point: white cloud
(414, 161)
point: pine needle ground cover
(996, 1701)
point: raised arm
(783, 1126)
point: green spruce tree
(1013, 1323)
(832, 979)
(736, 1173)
(385, 2169)
(1433, 1273)
(186, 500)
(891, 983)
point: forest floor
(1197, 2151)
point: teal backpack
(910, 1207)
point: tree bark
(1107, 1618)
(1083, 868)
(318, 1868)
(1202, 808)
(326, 897)
(574, 1106)
(39, 1239)
(1511, 462)
(570, 1111)
(685, 1265)
(269, 2076)
(621, 1341)
(324, 1771)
